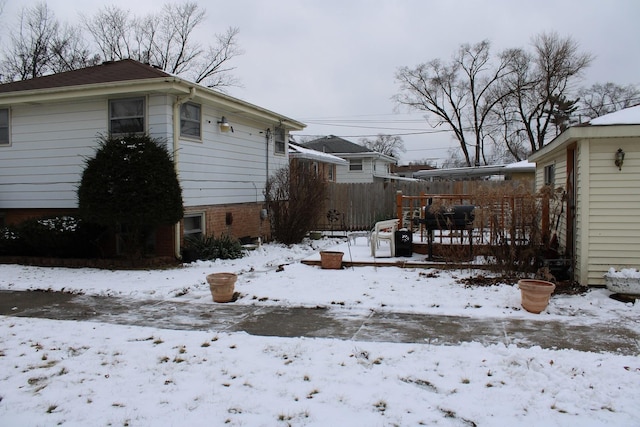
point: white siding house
(363, 165)
(601, 225)
(50, 125)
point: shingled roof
(107, 72)
(335, 144)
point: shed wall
(613, 210)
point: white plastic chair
(384, 230)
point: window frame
(143, 117)
(194, 231)
(550, 174)
(279, 143)
(354, 163)
(6, 143)
(331, 173)
(183, 108)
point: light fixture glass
(224, 124)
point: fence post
(399, 207)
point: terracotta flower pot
(535, 294)
(331, 260)
(222, 286)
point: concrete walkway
(321, 322)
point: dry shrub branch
(295, 196)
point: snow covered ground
(82, 373)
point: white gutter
(176, 139)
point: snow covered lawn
(82, 373)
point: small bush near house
(131, 187)
(210, 247)
(295, 197)
(9, 241)
(60, 237)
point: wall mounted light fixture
(224, 125)
(619, 158)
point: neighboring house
(324, 164)
(363, 165)
(600, 224)
(224, 148)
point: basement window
(193, 225)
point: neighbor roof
(125, 77)
(107, 72)
(335, 144)
(299, 152)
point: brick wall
(236, 220)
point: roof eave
(576, 133)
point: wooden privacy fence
(353, 207)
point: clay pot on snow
(535, 294)
(331, 260)
(222, 286)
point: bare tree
(600, 99)
(70, 51)
(389, 145)
(29, 52)
(537, 83)
(41, 45)
(174, 50)
(111, 29)
(459, 94)
(167, 40)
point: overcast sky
(331, 64)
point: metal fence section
(500, 217)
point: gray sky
(331, 64)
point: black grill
(459, 217)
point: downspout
(176, 139)
(267, 138)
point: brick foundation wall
(165, 236)
(236, 220)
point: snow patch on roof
(307, 153)
(523, 165)
(628, 116)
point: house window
(193, 225)
(279, 140)
(190, 120)
(4, 127)
(332, 173)
(126, 116)
(549, 175)
(355, 164)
